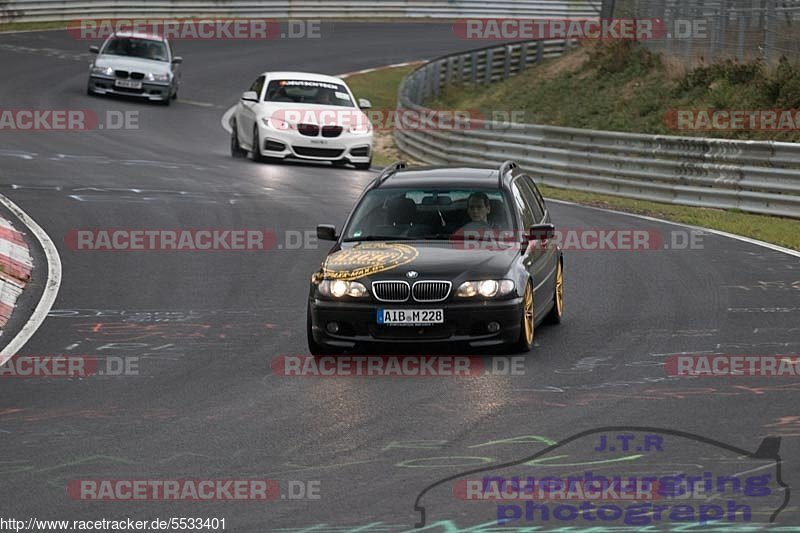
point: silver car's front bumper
(149, 90)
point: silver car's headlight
(339, 288)
(488, 288)
(103, 71)
(157, 77)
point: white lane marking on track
(748, 240)
(226, 117)
(51, 286)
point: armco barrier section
(753, 176)
(57, 10)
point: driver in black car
(478, 209)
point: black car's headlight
(339, 289)
(487, 288)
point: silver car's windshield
(136, 47)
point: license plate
(410, 317)
(128, 84)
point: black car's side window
(536, 194)
(529, 196)
(258, 85)
(523, 206)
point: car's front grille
(431, 291)
(410, 333)
(331, 153)
(129, 90)
(391, 291)
(309, 130)
(331, 131)
(137, 75)
(121, 74)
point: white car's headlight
(277, 124)
(157, 77)
(103, 71)
(488, 288)
(339, 288)
(361, 128)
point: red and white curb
(15, 268)
(16, 264)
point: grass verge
(380, 87)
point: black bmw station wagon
(462, 256)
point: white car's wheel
(236, 148)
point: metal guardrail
(58, 10)
(753, 176)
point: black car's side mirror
(94, 49)
(542, 232)
(326, 232)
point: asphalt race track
(205, 327)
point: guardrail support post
(523, 56)
(539, 51)
(507, 63)
(474, 59)
(489, 66)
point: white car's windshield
(136, 47)
(308, 92)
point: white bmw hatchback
(304, 116)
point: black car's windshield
(308, 92)
(428, 214)
(137, 47)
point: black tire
(256, 151)
(166, 101)
(89, 91)
(524, 342)
(556, 314)
(236, 149)
(313, 347)
(175, 95)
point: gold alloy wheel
(528, 313)
(560, 290)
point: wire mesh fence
(710, 30)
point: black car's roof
(443, 176)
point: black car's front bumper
(465, 324)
